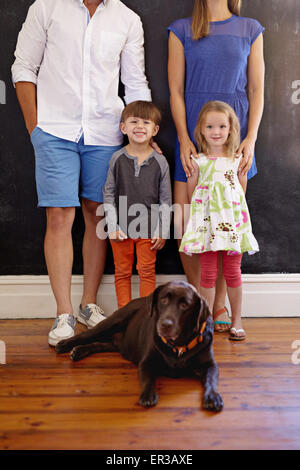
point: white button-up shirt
(76, 62)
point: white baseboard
(264, 295)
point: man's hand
(26, 93)
(31, 128)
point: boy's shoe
(62, 328)
(91, 315)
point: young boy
(137, 200)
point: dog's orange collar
(179, 350)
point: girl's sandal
(221, 322)
(235, 336)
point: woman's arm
(176, 73)
(256, 73)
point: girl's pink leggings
(210, 266)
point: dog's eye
(164, 300)
(183, 304)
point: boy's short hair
(142, 109)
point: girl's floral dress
(219, 216)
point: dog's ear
(203, 311)
(152, 299)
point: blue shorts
(65, 170)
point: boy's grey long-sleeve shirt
(138, 198)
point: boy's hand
(117, 236)
(157, 243)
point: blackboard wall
(273, 195)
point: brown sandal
(221, 322)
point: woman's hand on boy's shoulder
(157, 243)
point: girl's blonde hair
(200, 23)
(233, 141)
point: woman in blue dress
(215, 55)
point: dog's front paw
(77, 353)
(213, 401)
(63, 346)
(148, 399)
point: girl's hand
(117, 236)
(187, 148)
(157, 243)
(247, 149)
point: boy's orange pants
(123, 253)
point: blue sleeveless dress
(216, 69)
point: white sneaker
(62, 328)
(91, 315)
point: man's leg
(94, 167)
(58, 248)
(57, 170)
(94, 253)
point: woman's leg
(191, 265)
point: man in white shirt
(69, 56)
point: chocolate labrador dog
(168, 333)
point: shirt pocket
(111, 45)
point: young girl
(219, 217)
(216, 54)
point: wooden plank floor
(49, 402)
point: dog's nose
(167, 323)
